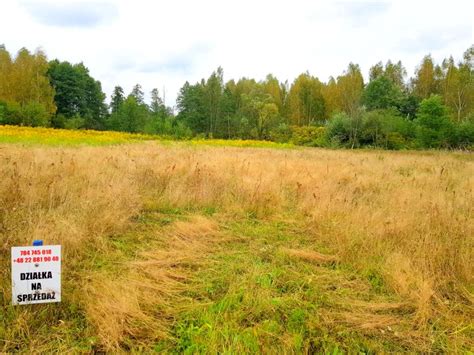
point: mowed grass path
(191, 248)
(228, 286)
(257, 295)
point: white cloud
(163, 44)
(70, 14)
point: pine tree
(137, 93)
(117, 99)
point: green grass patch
(255, 298)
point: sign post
(36, 274)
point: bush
(31, 114)
(12, 114)
(181, 131)
(168, 126)
(399, 132)
(374, 128)
(58, 121)
(386, 129)
(281, 134)
(3, 109)
(309, 136)
(435, 130)
(337, 129)
(76, 122)
(34, 114)
(395, 141)
(465, 135)
(344, 130)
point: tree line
(433, 109)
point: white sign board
(36, 274)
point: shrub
(337, 129)
(309, 136)
(395, 141)
(281, 134)
(374, 129)
(3, 109)
(181, 131)
(465, 135)
(76, 122)
(31, 114)
(435, 130)
(58, 121)
(344, 130)
(34, 114)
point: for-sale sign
(36, 274)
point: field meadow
(238, 247)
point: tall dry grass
(406, 217)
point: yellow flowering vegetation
(65, 137)
(49, 136)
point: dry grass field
(198, 249)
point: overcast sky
(164, 43)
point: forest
(432, 109)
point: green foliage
(157, 106)
(379, 128)
(167, 126)
(309, 136)
(338, 129)
(190, 103)
(400, 132)
(11, 113)
(246, 109)
(76, 122)
(435, 130)
(458, 85)
(3, 109)
(395, 141)
(77, 94)
(30, 114)
(465, 135)
(432, 113)
(408, 105)
(117, 99)
(343, 130)
(58, 121)
(261, 111)
(381, 93)
(34, 114)
(386, 129)
(138, 94)
(374, 130)
(395, 73)
(281, 133)
(131, 117)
